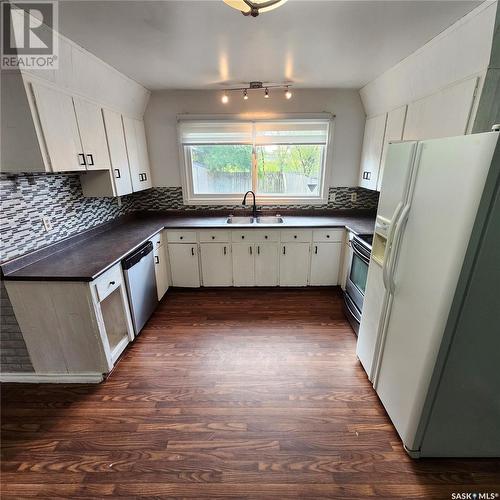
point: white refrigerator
(429, 198)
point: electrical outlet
(354, 197)
(47, 224)
(333, 197)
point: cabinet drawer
(181, 236)
(265, 236)
(158, 239)
(108, 282)
(297, 235)
(242, 236)
(327, 235)
(214, 236)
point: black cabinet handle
(117, 173)
(242, 237)
(192, 251)
(181, 237)
(295, 236)
(251, 251)
(91, 160)
(213, 237)
(157, 259)
(81, 158)
(258, 249)
(284, 250)
(316, 249)
(265, 237)
(327, 235)
(112, 282)
(225, 250)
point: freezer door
(398, 165)
(395, 188)
(445, 194)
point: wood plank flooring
(227, 393)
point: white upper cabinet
(135, 138)
(394, 130)
(371, 154)
(92, 134)
(443, 114)
(118, 152)
(59, 129)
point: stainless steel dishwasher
(139, 271)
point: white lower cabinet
(325, 263)
(216, 265)
(243, 264)
(267, 264)
(161, 270)
(184, 267)
(294, 264)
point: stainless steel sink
(270, 220)
(239, 220)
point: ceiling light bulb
(288, 93)
(225, 98)
(266, 94)
(245, 95)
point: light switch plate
(47, 224)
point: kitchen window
(282, 161)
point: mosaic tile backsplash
(25, 199)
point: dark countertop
(85, 258)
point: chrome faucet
(254, 209)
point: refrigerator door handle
(397, 233)
(390, 239)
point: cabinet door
(394, 129)
(267, 264)
(216, 265)
(142, 151)
(371, 154)
(184, 267)
(294, 264)
(243, 264)
(118, 152)
(443, 114)
(59, 128)
(161, 271)
(325, 263)
(137, 153)
(92, 134)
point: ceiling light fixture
(256, 86)
(254, 7)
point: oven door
(356, 281)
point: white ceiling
(182, 44)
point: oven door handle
(356, 249)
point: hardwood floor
(227, 393)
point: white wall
(164, 106)
(459, 52)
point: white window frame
(190, 198)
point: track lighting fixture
(256, 86)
